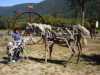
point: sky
(14, 2)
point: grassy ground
(34, 65)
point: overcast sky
(14, 2)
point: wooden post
(83, 12)
(30, 8)
(46, 49)
(30, 17)
(83, 18)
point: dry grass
(34, 65)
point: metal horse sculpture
(72, 38)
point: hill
(60, 8)
(51, 7)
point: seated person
(16, 36)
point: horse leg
(50, 50)
(79, 51)
(73, 52)
(46, 49)
(71, 49)
(94, 35)
(91, 35)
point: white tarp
(97, 24)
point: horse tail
(84, 41)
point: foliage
(11, 22)
(60, 20)
(54, 12)
(3, 22)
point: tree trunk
(83, 18)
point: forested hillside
(63, 8)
